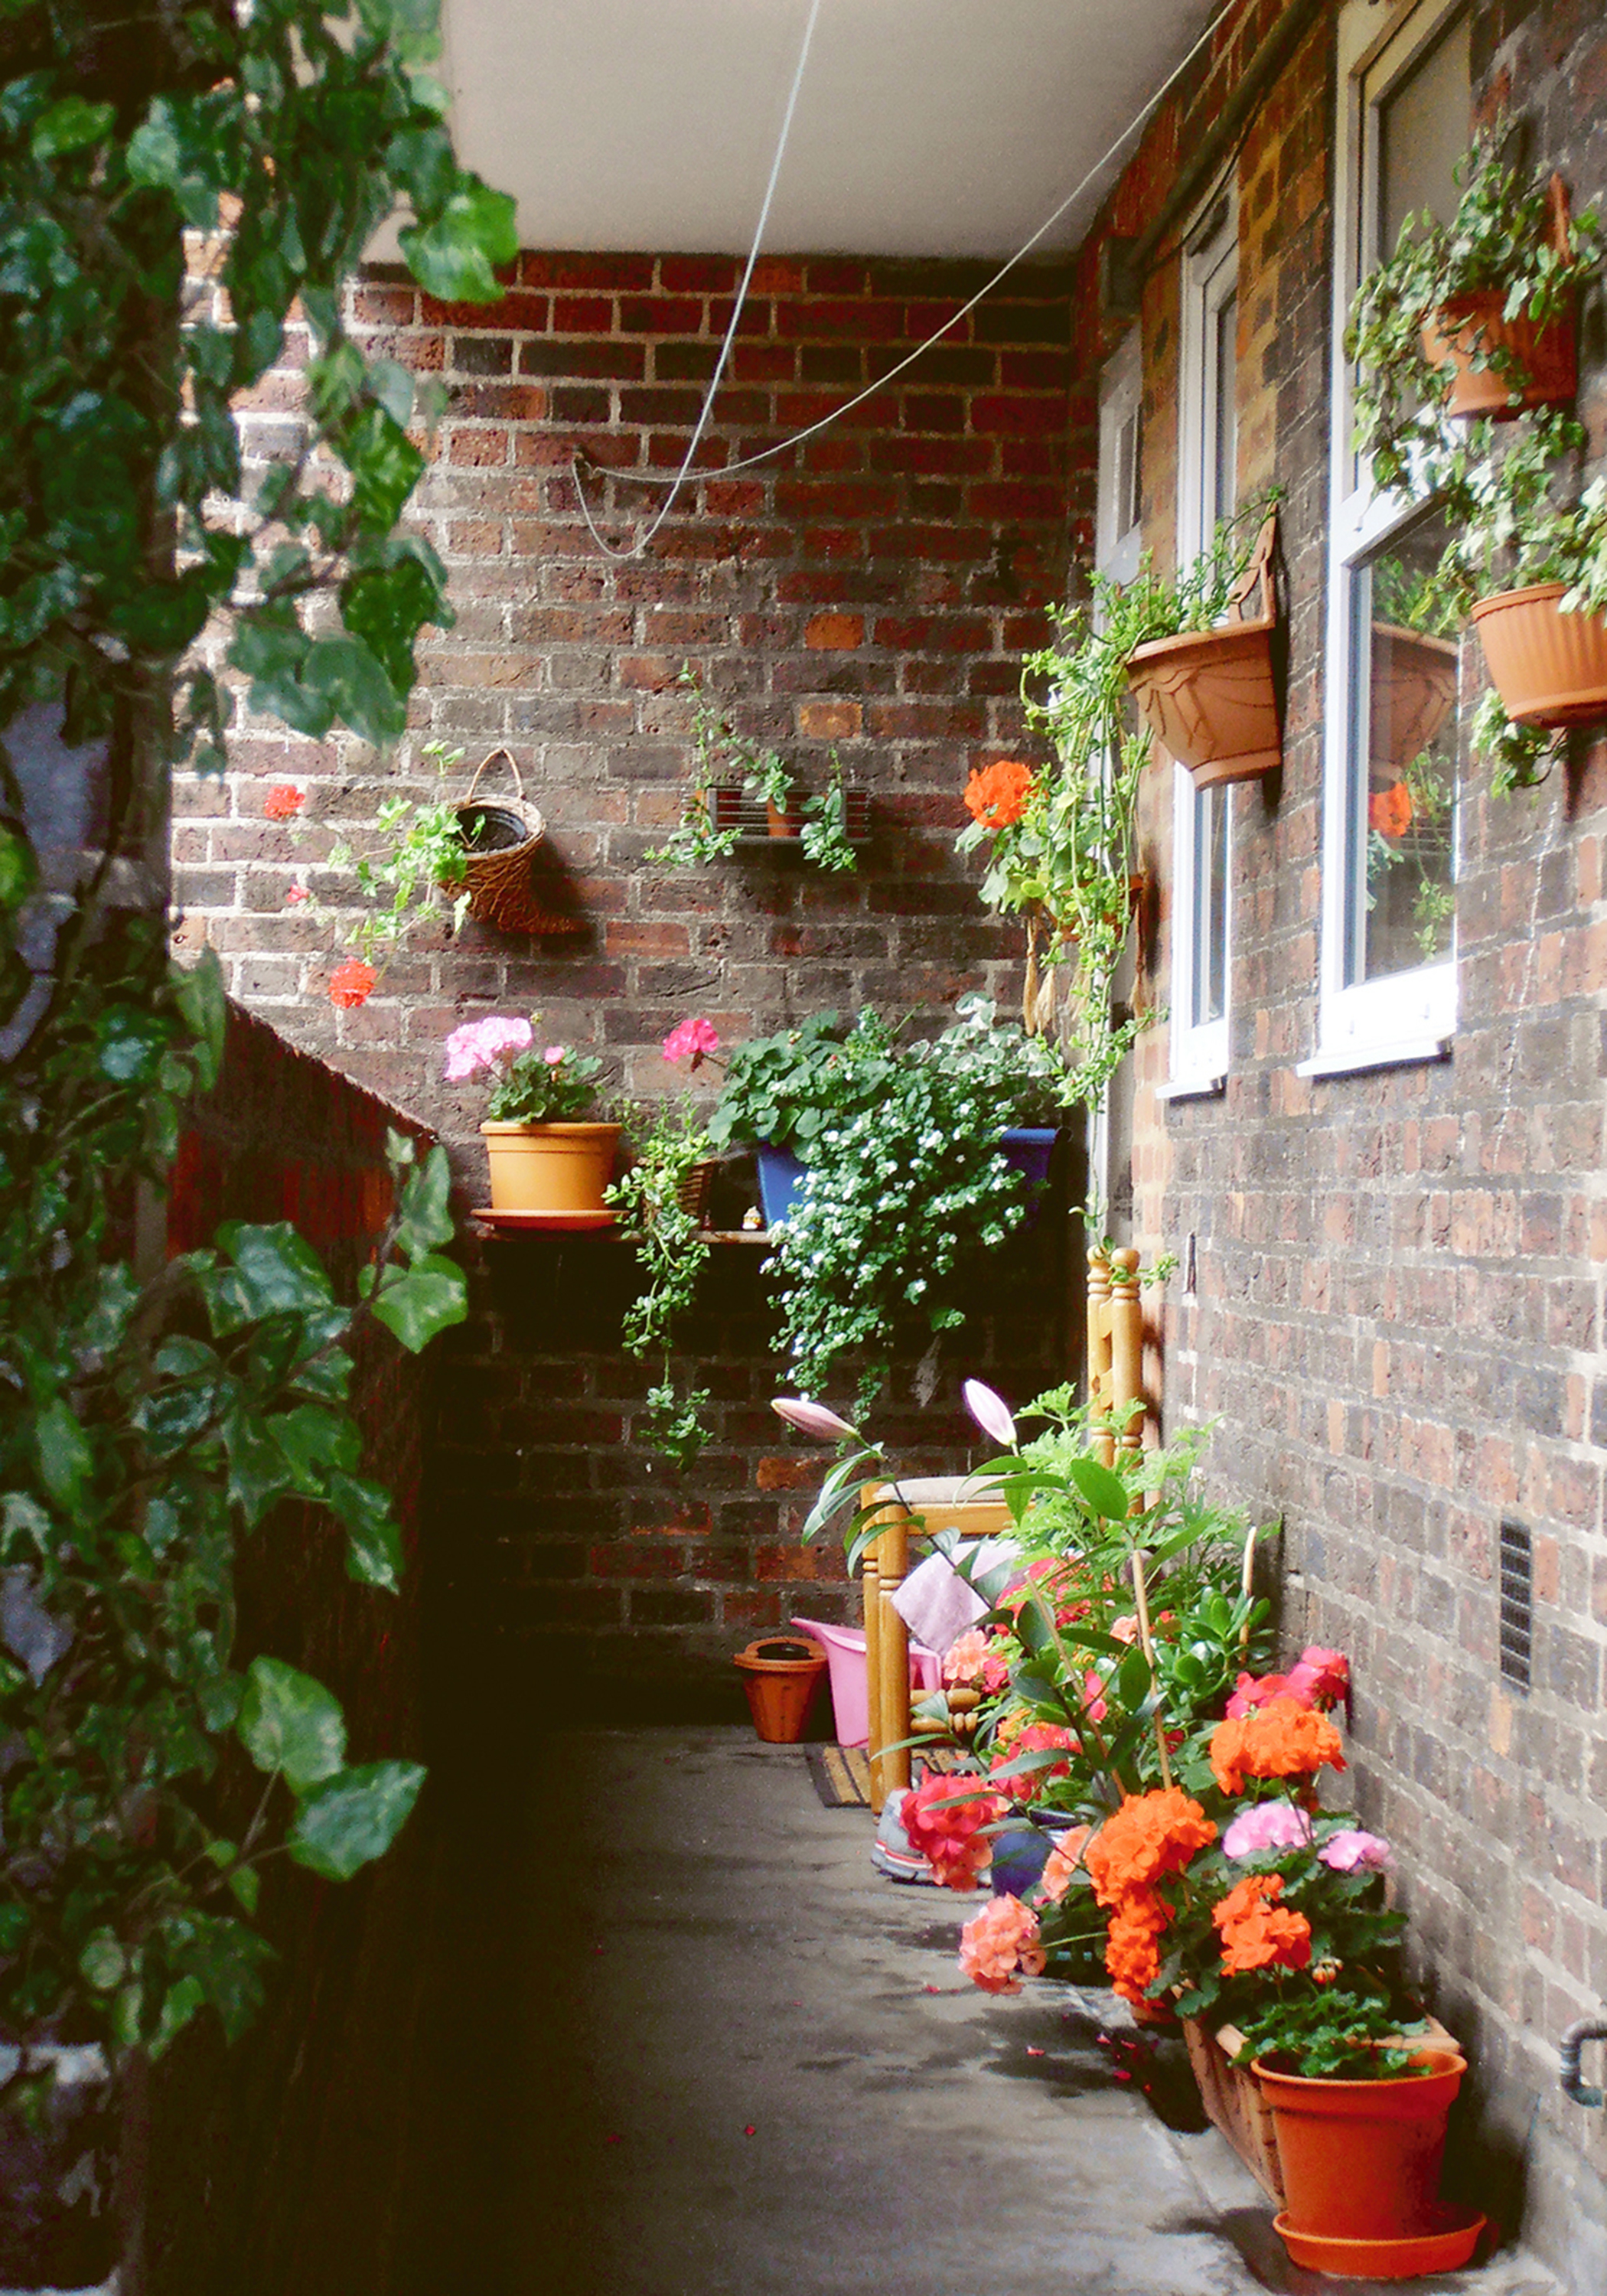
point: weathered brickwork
(1399, 1274)
(870, 591)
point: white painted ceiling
(922, 127)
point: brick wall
(313, 2100)
(1398, 1318)
(870, 591)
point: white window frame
(1411, 1015)
(1199, 1050)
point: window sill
(1353, 1060)
(1210, 1085)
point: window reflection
(1406, 783)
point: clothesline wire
(769, 453)
(707, 409)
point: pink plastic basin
(845, 1655)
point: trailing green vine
(671, 1252)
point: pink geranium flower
(1324, 1675)
(692, 1040)
(965, 1659)
(1250, 1693)
(552, 1054)
(1269, 1825)
(482, 1044)
(944, 1819)
(1351, 1850)
(1001, 1940)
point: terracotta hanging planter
(1413, 690)
(780, 1675)
(551, 1167)
(1360, 2161)
(1210, 697)
(1549, 667)
(1524, 365)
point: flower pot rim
(1532, 594)
(1226, 638)
(1430, 2061)
(553, 1124)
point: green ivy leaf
(425, 1214)
(290, 1722)
(373, 1552)
(204, 1005)
(282, 1272)
(453, 256)
(314, 1441)
(425, 1300)
(70, 126)
(349, 1820)
(66, 1457)
(103, 1962)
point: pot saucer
(572, 1222)
(1451, 2242)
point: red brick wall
(873, 590)
(1398, 1319)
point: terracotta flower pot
(780, 1675)
(1361, 2164)
(1210, 698)
(550, 1167)
(784, 821)
(1549, 667)
(1472, 327)
(1413, 692)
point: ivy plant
(721, 755)
(671, 1252)
(183, 193)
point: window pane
(1210, 906)
(1405, 777)
(1423, 125)
(1225, 446)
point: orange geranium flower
(1150, 1835)
(1258, 1933)
(1284, 1740)
(1390, 811)
(996, 795)
(1132, 1947)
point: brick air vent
(1517, 1603)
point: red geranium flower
(996, 795)
(283, 802)
(1390, 811)
(351, 983)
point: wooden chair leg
(872, 1584)
(893, 1562)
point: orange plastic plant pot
(1210, 697)
(1361, 2159)
(781, 1689)
(1549, 667)
(550, 1167)
(1545, 357)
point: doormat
(841, 1775)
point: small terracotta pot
(1472, 326)
(1361, 2159)
(1210, 697)
(782, 821)
(1550, 668)
(550, 1167)
(781, 1687)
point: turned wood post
(891, 1724)
(871, 1586)
(1099, 1346)
(1125, 1316)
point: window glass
(1210, 999)
(1405, 767)
(1423, 131)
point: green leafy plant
(414, 871)
(1326, 2033)
(534, 1088)
(905, 1182)
(672, 1253)
(722, 756)
(152, 1421)
(152, 1427)
(1062, 839)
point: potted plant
(1472, 318)
(1061, 837)
(547, 1160)
(899, 1168)
(1359, 2109)
(1207, 693)
(733, 774)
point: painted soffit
(923, 127)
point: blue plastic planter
(1027, 1147)
(780, 1177)
(1030, 1148)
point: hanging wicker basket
(500, 841)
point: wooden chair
(924, 1505)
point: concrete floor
(690, 2043)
